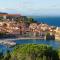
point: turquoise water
(52, 43)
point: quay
(23, 38)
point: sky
(31, 7)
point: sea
(52, 43)
(53, 21)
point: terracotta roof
(10, 15)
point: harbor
(9, 43)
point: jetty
(7, 43)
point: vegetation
(2, 33)
(32, 52)
(50, 37)
(25, 19)
(1, 18)
(1, 54)
(7, 56)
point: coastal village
(15, 24)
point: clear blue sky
(31, 7)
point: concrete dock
(7, 42)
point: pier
(7, 43)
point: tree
(21, 18)
(1, 55)
(1, 18)
(31, 20)
(25, 19)
(48, 37)
(7, 56)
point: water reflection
(52, 43)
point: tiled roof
(10, 15)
